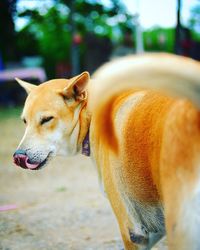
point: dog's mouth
(24, 162)
(37, 166)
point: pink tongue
(31, 165)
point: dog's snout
(20, 158)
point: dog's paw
(138, 239)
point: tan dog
(146, 145)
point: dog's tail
(173, 75)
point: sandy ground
(58, 208)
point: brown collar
(86, 145)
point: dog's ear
(76, 87)
(27, 86)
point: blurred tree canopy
(163, 39)
(51, 30)
(50, 33)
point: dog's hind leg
(180, 180)
(182, 215)
(118, 206)
(123, 221)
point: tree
(178, 29)
(54, 29)
(7, 30)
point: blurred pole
(178, 29)
(139, 39)
(1, 62)
(75, 60)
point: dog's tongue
(22, 160)
(31, 165)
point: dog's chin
(44, 163)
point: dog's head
(54, 115)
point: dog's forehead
(45, 97)
(52, 85)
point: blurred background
(47, 39)
(61, 207)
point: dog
(138, 118)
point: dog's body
(145, 144)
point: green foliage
(159, 39)
(26, 42)
(6, 113)
(50, 33)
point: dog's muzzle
(21, 159)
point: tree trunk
(178, 49)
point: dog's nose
(19, 152)
(20, 158)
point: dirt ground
(58, 208)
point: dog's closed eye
(46, 119)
